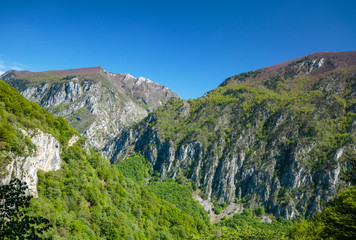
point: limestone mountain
(77, 193)
(282, 137)
(97, 103)
(31, 139)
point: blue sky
(188, 46)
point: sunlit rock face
(97, 103)
(45, 158)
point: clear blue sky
(188, 46)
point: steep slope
(335, 221)
(30, 138)
(97, 103)
(150, 94)
(282, 136)
(80, 194)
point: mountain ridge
(346, 58)
(93, 100)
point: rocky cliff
(282, 136)
(97, 103)
(31, 139)
(45, 157)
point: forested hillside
(88, 198)
(282, 137)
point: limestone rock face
(45, 158)
(97, 103)
(150, 94)
(234, 177)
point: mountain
(97, 103)
(78, 194)
(281, 137)
(292, 144)
(31, 139)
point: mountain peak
(310, 65)
(51, 73)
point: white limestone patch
(266, 219)
(73, 140)
(205, 203)
(46, 158)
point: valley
(269, 154)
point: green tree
(14, 223)
(260, 211)
(339, 217)
(336, 221)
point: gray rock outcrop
(45, 158)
